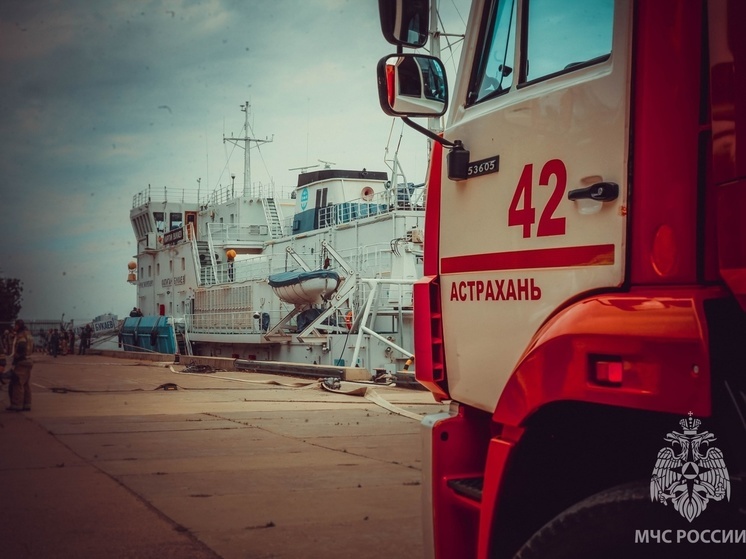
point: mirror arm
(458, 157)
(430, 134)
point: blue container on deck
(148, 334)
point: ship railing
(187, 341)
(220, 195)
(381, 203)
(213, 259)
(390, 294)
(272, 191)
(165, 194)
(243, 270)
(372, 301)
(192, 237)
(368, 260)
(237, 322)
(237, 232)
(224, 194)
(372, 307)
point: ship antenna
(248, 190)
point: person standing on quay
(20, 385)
(85, 339)
(54, 343)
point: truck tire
(607, 524)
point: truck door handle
(601, 191)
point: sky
(100, 99)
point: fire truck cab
(584, 284)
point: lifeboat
(304, 288)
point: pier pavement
(121, 458)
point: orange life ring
(348, 320)
(367, 193)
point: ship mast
(248, 188)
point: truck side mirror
(412, 85)
(405, 22)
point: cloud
(84, 129)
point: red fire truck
(583, 305)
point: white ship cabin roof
(341, 185)
(349, 193)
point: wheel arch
(568, 451)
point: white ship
(321, 276)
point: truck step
(470, 487)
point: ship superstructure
(320, 275)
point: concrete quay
(133, 458)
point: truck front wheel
(622, 522)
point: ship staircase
(325, 320)
(205, 259)
(184, 346)
(274, 221)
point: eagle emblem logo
(687, 476)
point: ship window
(564, 36)
(160, 221)
(183, 264)
(176, 220)
(144, 224)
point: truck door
(543, 107)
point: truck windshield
(495, 70)
(559, 37)
(564, 36)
